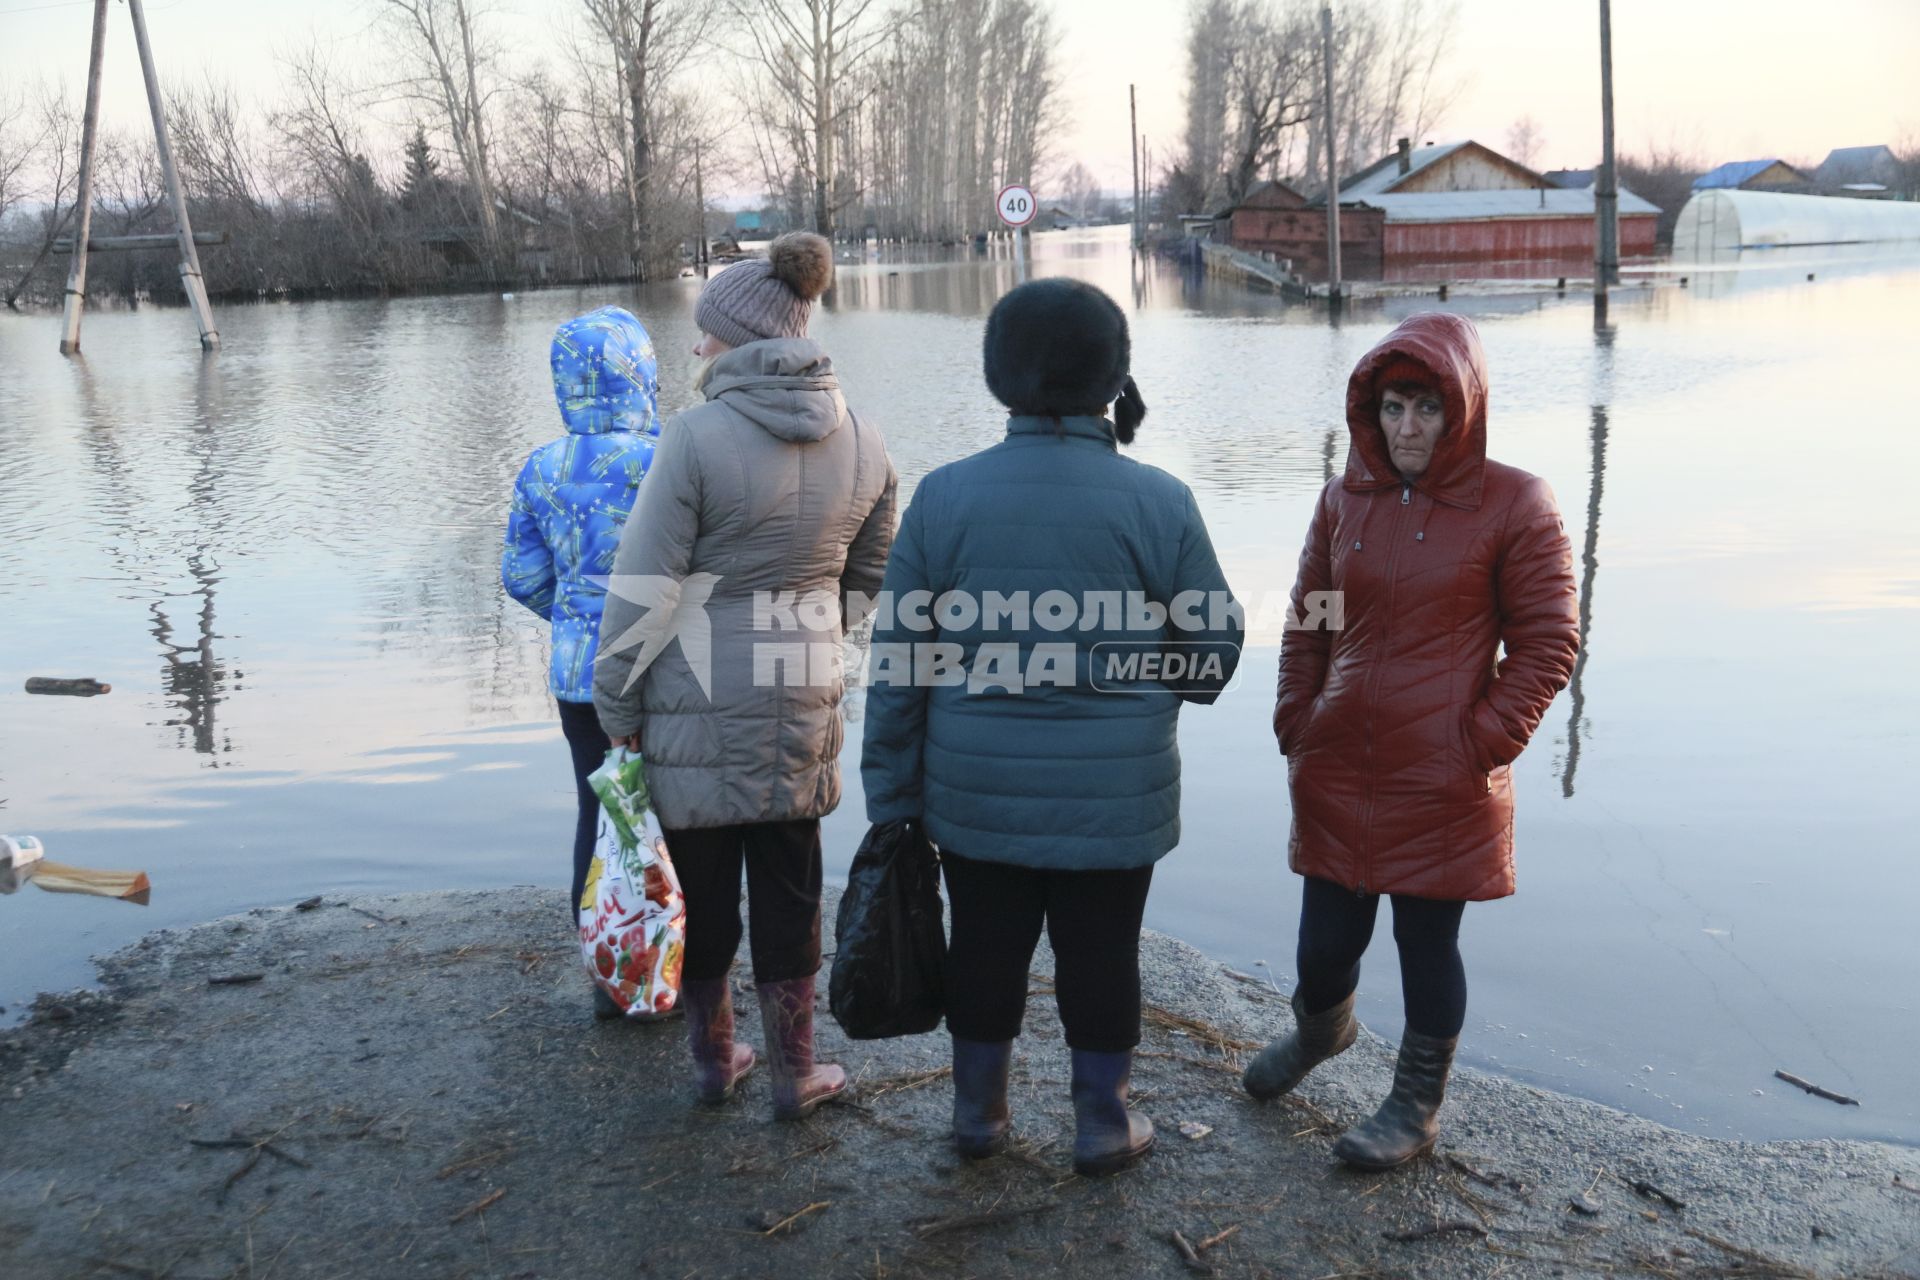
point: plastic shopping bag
(887, 964)
(633, 921)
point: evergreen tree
(420, 190)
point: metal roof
(1733, 173)
(1464, 206)
(1572, 179)
(1856, 164)
(1384, 173)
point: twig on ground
(1188, 1256)
(371, 915)
(477, 1160)
(1459, 1226)
(968, 1221)
(1644, 1188)
(1905, 1186)
(1775, 1266)
(234, 979)
(786, 1223)
(1816, 1090)
(1217, 1238)
(478, 1206)
(1497, 1180)
(903, 1082)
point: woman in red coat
(1398, 727)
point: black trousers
(1092, 919)
(589, 748)
(782, 862)
(1335, 926)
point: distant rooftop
(1456, 206)
(1571, 179)
(1384, 173)
(1735, 172)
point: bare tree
(811, 53)
(45, 151)
(649, 41)
(1078, 191)
(1524, 140)
(1213, 29)
(448, 66)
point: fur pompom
(803, 262)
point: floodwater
(284, 558)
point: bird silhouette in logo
(675, 609)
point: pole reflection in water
(1589, 567)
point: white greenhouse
(1717, 223)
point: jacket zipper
(1373, 683)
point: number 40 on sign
(1016, 205)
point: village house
(1869, 172)
(1755, 175)
(1418, 210)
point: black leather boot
(1282, 1065)
(1407, 1123)
(1106, 1136)
(980, 1114)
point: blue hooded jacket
(574, 493)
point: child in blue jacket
(569, 505)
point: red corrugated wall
(1494, 238)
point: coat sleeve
(1197, 572)
(656, 552)
(526, 566)
(866, 565)
(1539, 628)
(1305, 649)
(896, 717)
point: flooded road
(284, 559)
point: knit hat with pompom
(767, 298)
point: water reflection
(1589, 569)
(320, 505)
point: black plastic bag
(892, 944)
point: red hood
(1449, 345)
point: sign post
(1017, 208)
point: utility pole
(700, 199)
(1606, 193)
(76, 298)
(190, 278)
(1333, 163)
(1133, 117)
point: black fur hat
(1057, 347)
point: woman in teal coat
(1048, 605)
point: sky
(1721, 79)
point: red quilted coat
(1398, 727)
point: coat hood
(784, 386)
(605, 376)
(1449, 345)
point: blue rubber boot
(980, 1114)
(1106, 1136)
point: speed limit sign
(1016, 205)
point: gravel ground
(415, 1087)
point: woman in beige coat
(719, 655)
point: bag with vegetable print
(633, 920)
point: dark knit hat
(1057, 347)
(767, 298)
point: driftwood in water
(70, 688)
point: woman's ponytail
(1128, 412)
